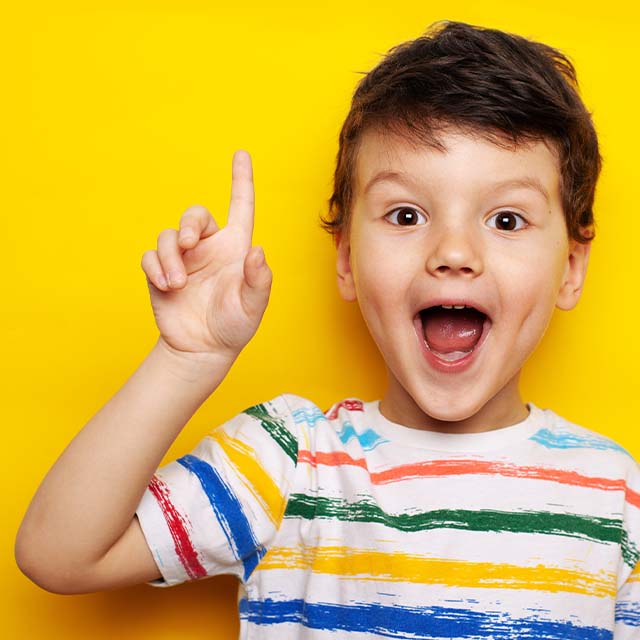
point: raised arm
(80, 533)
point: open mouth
(452, 332)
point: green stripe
(541, 522)
(276, 429)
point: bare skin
(80, 533)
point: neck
(504, 409)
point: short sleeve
(217, 509)
(627, 613)
(628, 608)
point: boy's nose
(456, 251)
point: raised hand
(209, 287)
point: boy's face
(476, 225)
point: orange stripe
(437, 468)
(331, 459)
(633, 497)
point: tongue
(447, 330)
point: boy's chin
(454, 412)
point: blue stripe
(552, 440)
(368, 439)
(628, 613)
(413, 622)
(229, 513)
(310, 416)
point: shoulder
(294, 412)
(572, 441)
(298, 425)
(302, 410)
(336, 426)
(297, 413)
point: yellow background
(116, 116)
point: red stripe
(350, 405)
(177, 526)
(468, 467)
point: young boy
(462, 214)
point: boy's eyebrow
(389, 176)
(526, 182)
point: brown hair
(486, 82)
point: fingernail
(260, 257)
(186, 234)
(162, 281)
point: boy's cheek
(373, 281)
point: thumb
(257, 281)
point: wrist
(194, 366)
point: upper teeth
(454, 306)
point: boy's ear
(574, 275)
(346, 284)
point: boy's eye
(406, 217)
(507, 221)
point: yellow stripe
(253, 476)
(635, 574)
(400, 567)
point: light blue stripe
(310, 416)
(413, 622)
(229, 513)
(552, 440)
(368, 439)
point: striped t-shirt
(346, 525)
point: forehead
(463, 160)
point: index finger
(241, 207)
